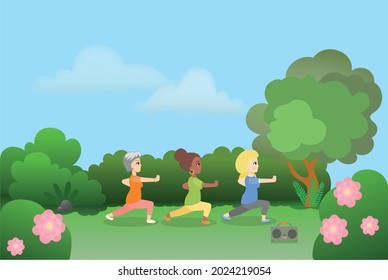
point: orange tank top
(135, 185)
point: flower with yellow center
(49, 226)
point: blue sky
(101, 70)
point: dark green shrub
(52, 142)
(357, 245)
(110, 172)
(35, 178)
(17, 220)
(8, 157)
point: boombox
(284, 232)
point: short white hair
(129, 158)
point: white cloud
(100, 68)
(196, 92)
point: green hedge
(357, 245)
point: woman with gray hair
(134, 201)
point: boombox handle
(284, 223)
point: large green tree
(319, 112)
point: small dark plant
(65, 199)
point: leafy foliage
(8, 157)
(353, 91)
(317, 195)
(374, 199)
(325, 63)
(291, 130)
(66, 194)
(53, 143)
(109, 173)
(332, 68)
(36, 176)
(300, 191)
(50, 141)
(17, 220)
(321, 110)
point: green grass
(244, 237)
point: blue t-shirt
(251, 186)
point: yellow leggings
(200, 206)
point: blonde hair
(243, 160)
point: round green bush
(357, 245)
(17, 220)
(39, 180)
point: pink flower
(347, 192)
(48, 226)
(369, 225)
(15, 246)
(334, 229)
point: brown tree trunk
(311, 175)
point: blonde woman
(247, 165)
(134, 199)
(191, 162)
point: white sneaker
(151, 221)
(109, 217)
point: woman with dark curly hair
(191, 162)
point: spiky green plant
(67, 194)
(300, 192)
(317, 195)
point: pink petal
(57, 238)
(35, 230)
(37, 219)
(337, 241)
(326, 239)
(44, 239)
(351, 204)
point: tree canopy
(321, 111)
(338, 96)
(309, 119)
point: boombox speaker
(284, 232)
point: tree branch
(296, 174)
(313, 162)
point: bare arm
(125, 182)
(185, 186)
(241, 181)
(273, 180)
(210, 185)
(147, 180)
